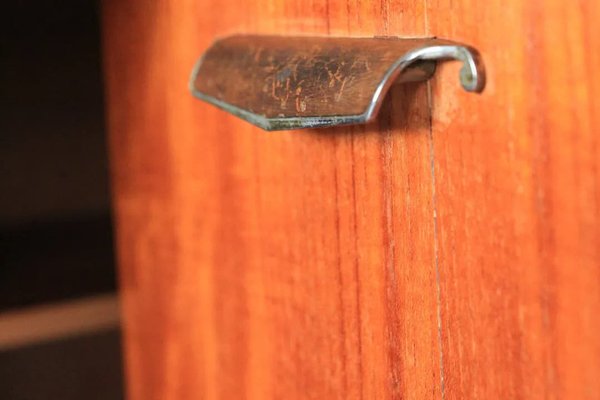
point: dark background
(55, 223)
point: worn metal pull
(282, 83)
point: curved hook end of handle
(472, 73)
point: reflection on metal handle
(282, 83)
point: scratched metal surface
(300, 77)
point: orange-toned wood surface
(517, 199)
(449, 250)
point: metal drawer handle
(282, 83)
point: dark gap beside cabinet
(56, 241)
(55, 225)
(65, 369)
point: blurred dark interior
(56, 244)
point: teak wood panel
(517, 198)
(449, 250)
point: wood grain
(517, 202)
(449, 250)
(254, 265)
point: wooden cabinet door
(449, 250)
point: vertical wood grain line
(339, 271)
(389, 244)
(435, 222)
(356, 265)
(435, 239)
